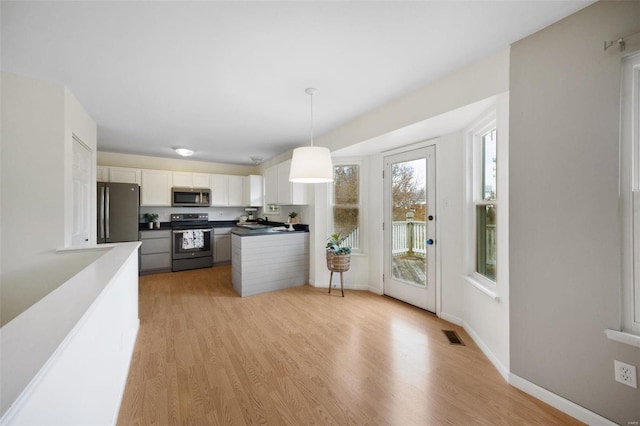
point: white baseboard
(556, 401)
(504, 371)
(451, 318)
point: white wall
(407, 117)
(174, 164)
(65, 359)
(37, 117)
(79, 123)
(564, 211)
(473, 83)
(486, 318)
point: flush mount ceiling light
(256, 160)
(311, 164)
(185, 152)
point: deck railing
(409, 238)
(352, 240)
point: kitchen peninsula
(264, 259)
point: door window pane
(409, 212)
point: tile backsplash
(215, 213)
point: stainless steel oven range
(191, 241)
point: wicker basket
(338, 262)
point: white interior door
(81, 178)
(409, 227)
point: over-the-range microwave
(190, 197)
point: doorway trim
(438, 247)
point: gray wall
(564, 217)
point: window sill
(483, 288)
(623, 337)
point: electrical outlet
(626, 374)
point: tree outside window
(346, 202)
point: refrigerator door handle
(106, 214)
(101, 213)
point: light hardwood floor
(205, 356)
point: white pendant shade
(311, 164)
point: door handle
(430, 242)
(101, 212)
(107, 214)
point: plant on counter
(151, 218)
(292, 217)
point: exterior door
(409, 227)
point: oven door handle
(190, 230)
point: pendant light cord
(311, 94)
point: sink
(254, 226)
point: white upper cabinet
(227, 190)
(236, 191)
(124, 175)
(102, 174)
(219, 190)
(191, 180)
(118, 174)
(201, 180)
(155, 189)
(278, 189)
(182, 179)
(253, 191)
(271, 185)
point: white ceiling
(228, 78)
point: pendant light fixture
(311, 164)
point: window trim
(629, 290)
(361, 201)
(474, 198)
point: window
(629, 331)
(482, 196)
(347, 203)
(486, 207)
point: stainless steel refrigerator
(118, 212)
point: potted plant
(292, 217)
(338, 254)
(338, 257)
(151, 218)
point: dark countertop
(167, 225)
(164, 226)
(244, 231)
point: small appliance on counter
(251, 213)
(191, 241)
(117, 212)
